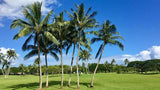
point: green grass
(110, 81)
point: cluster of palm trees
(6, 60)
(51, 36)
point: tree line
(112, 67)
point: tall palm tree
(11, 55)
(59, 29)
(108, 35)
(85, 55)
(82, 21)
(73, 40)
(33, 27)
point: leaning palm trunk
(88, 67)
(40, 70)
(2, 70)
(46, 70)
(71, 66)
(62, 68)
(8, 70)
(97, 66)
(77, 62)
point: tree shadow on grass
(149, 73)
(33, 86)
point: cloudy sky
(137, 20)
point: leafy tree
(109, 35)
(33, 27)
(14, 70)
(82, 21)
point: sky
(138, 21)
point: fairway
(109, 81)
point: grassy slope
(102, 81)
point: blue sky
(138, 21)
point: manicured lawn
(109, 81)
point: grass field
(109, 81)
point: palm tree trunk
(46, 71)
(71, 65)
(8, 70)
(97, 65)
(2, 71)
(77, 62)
(40, 70)
(62, 68)
(88, 66)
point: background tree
(112, 64)
(22, 69)
(126, 61)
(85, 55)
(107, 66)
(108, 35)
(11, 55)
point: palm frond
(31, 54)
(26, 42)
(51, 37)
(54, 55)
(99, 51)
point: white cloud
(151, 53)
(12, 9)
(4, 50)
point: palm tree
(113, 61)
(21, 67)
(85, 55)
(82, 21)
(112, 64)
(33, 27)
(11, 55)
(73, 39)
(5, 67)
(107, 66)
(126, 61)
(59, 29)
(108, 35)
(46, 47)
